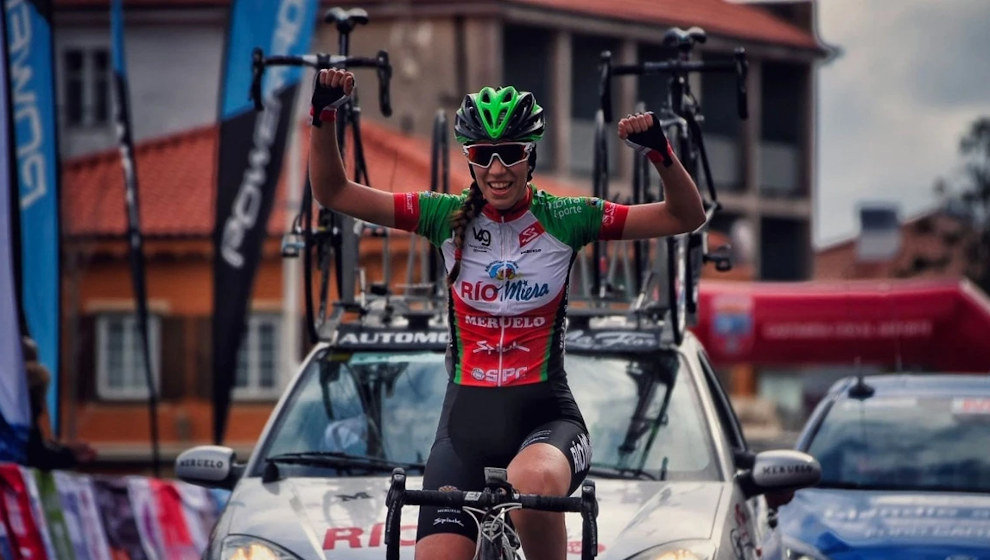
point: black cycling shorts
(486, 427)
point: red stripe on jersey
(406, 210)
(613, 220)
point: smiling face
(503, 186)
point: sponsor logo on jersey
(409, 199)
(518, 290)
(566, 211)
(498, 376)
(502, 270)
(609, 216)
(581, 453)
(488, 348)
(482, 235)
(530, 234)
(505, 322)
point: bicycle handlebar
(488, 500)
(675, 67)
(320, 61)
(399, 496)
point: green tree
(975, 149)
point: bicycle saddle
(684, 39)
(346, 20)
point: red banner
(930, 325)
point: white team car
(674, 477)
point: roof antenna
(860, 390)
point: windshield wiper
(606, 471)
(333, 459)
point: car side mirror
(780, 471)
(212, 466)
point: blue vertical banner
(250, 160)
(135, 240)
(15, 412)
(32, 99)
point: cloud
(892, 108)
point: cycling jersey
(509, 300)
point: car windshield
(927, 443)
(644, 416)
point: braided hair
(459, 220)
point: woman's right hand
(332, 88)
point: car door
(746, 526)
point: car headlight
(681, 550)
(797, 550)
(244, 547)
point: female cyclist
(507, 248)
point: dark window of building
(120, 356)
(258, 358)
(722, 126)
(784, 88)
(101, 86)
(783, 170)
(587, 51)
(585, 101)
(718, 101)
(785, 246)
(86, 87)
(73, 80)
(526, 64)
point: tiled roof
(177, 188)
(714, 16)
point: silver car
(674, 476)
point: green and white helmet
(503, 114)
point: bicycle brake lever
(384, 80)
(742, 69)
(605, 85)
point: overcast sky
(912, 75)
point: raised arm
(681, 210)
(331, 187)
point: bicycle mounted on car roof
(680, 114)
(333, 236)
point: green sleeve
(434, 215)
(575, 220)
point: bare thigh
(445, 546)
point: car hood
(884, 524)
(343, 518)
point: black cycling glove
(325, 102)
(652, 143)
